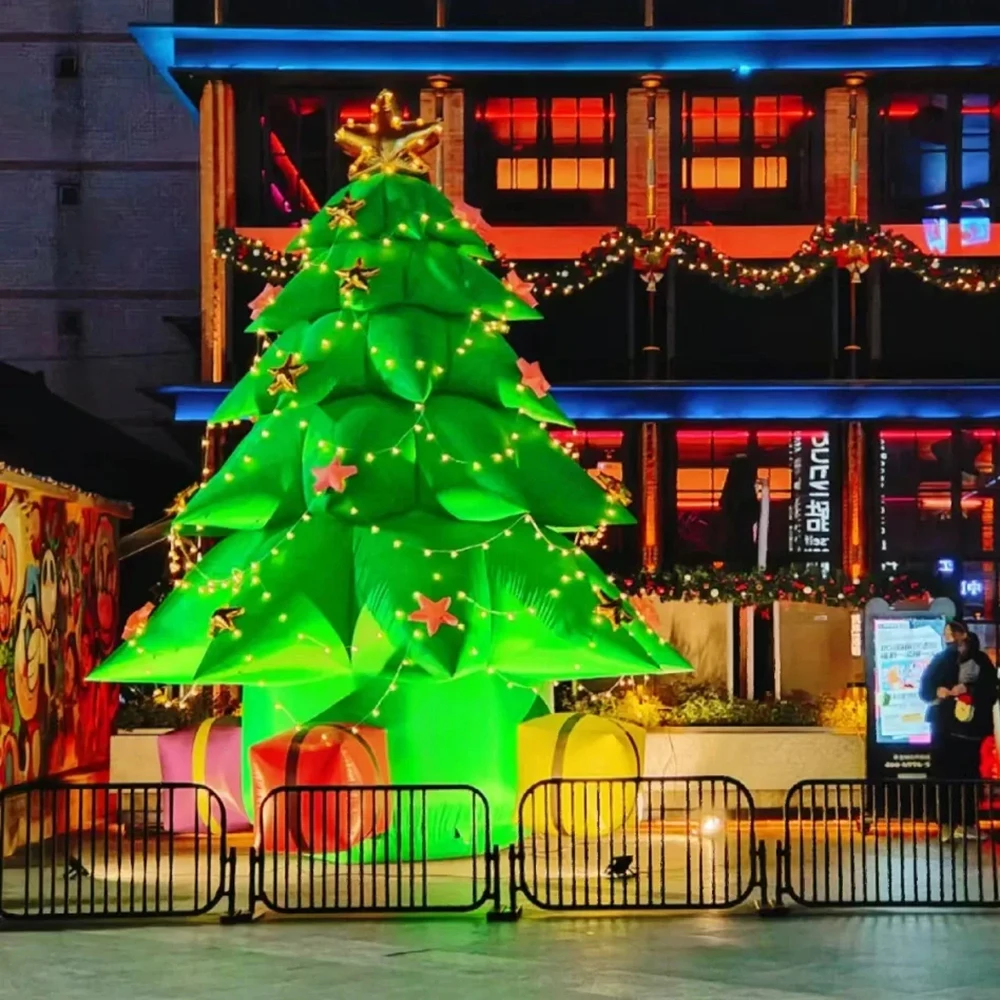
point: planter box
(135, 756)
(767, 760)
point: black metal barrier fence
(891, 844)
(113, 850)
(637, 844)
(372, 849)
(76, 852)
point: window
(935, 163)
(602, 454)
(718, 495)
(68, 194)
(544, 159)
(741, 155)
(67, 66)
(300, 164)
(915, 473)
(69, 323)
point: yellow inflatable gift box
(574, 745)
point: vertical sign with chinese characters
(810, 526)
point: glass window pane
(505, 179)
(526, 177)
(915, 476)
(592, 119)
(765, 119)
(563, 120)
(498, 118)
(715, 172)
(703, 118)
(591, 174)
(727, 118)
(565, 174)
(524, 111)
(980, 452)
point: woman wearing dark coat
(961, 689)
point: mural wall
(58, 620)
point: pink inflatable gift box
(208, 754)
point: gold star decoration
(285, 376)
(614, 609)
(224, 620)
(344, 212)
(388, 143)
(356, 276)
(181, 500)
(616, 490)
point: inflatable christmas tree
(392, 547)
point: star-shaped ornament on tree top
(614, 609)
(333, 476)
(433, 614)
(285, 376)
(224, 620)
(344, 212)
(388, 143)
(356, 276)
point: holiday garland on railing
(712, 586)
(847, 244)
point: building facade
(865, 395)
(98, 212)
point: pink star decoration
(473, 216)
(433, 614)
(135, 624)
(333, 476)
(520, 287)
(266, 297)
(532, 377)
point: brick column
(636, 157)
(837, 153)
(452, 140)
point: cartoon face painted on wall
(59, 578)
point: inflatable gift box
(313, 788)
(575, 745)
(210, 755)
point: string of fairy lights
(848, 244)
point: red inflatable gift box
(326, 804)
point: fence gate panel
(112, 850)
(637, 843)
(374, 849)
(892, 844)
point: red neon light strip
(291, 174)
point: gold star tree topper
(388, 143)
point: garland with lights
(846, 244)
(718, 586)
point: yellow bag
(576, 745)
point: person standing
(960, 685)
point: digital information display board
(899, 648)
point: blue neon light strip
(223, 49)
(725, 401)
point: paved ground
(946, 956)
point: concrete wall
(767, 761)
(125, 257)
